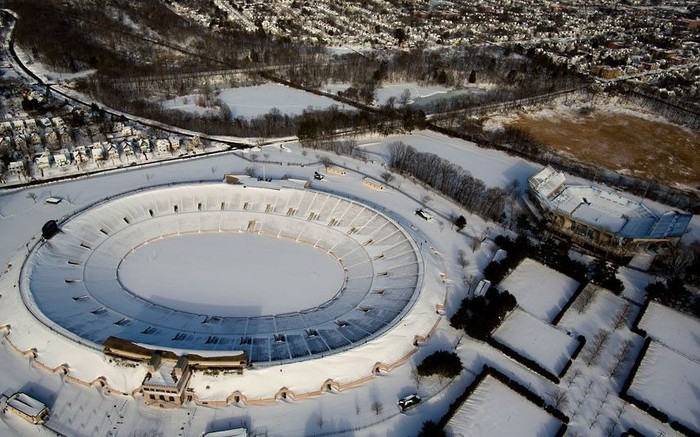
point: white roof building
(602, 216)
(27, 407)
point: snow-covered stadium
(283, 274)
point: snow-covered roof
(26, 404)
(547, 181)
(605, 209)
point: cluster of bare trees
(449, 179)
(123, 38)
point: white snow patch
(671, 383)
(676, 330)
(495, 410)
(536, 340)
(539, 290)
(228, 274)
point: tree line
(450, 179)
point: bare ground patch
(620, 140)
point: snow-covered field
(395, 90)
(539, 290)
(671, 383)
(678, 331)
(536, 340)
(229, 273)
(494, 168)
(253, 101)
(495, 410)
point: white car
(424, 215)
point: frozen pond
(253, 101)
(231, 274)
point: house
(97, 152)
(61, 157)
(162, 146)
(127, 149)
(80, 154)
(144, 145)
(112, 151)
(43, 161)
(27, 408)
(602, 219)
(58, 122)
(166, 381)
(16, 168)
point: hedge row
(581, 343)
(635, 325)
(645, 406)
(513, 385)
(568, 303)
(527, 362)
(527, 394)
(454, 406)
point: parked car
(318, 176)
(424, 215)
(409, 401)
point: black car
(409, 401)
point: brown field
(623, 142)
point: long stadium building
(603, 219)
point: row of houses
(102, 151)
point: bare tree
(462, 259)
(377, 407)
(597, 346)
(558, 398)
(620, 357)
(405, 97)
(320, 422)
(621, 316)
(573, 375)
(32, 196)
(584, 299)
(425, 200)
(250, 171)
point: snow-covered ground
(678, 331)
(78, 410)
(230, 274)
(635, 283)
(396, 89)
(253, 101)
(494, 168)
(671, 383)
(536, 340)
(496, 410)
(539, 290)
